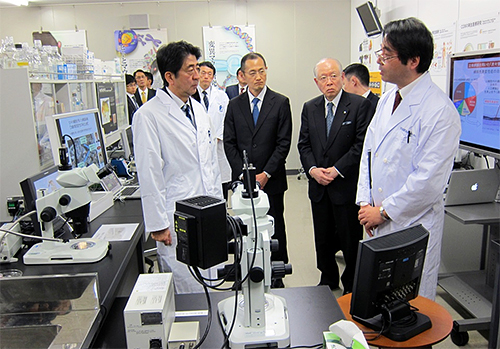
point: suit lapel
(244, 106)
(318, 118)
(267, 105)
(340, 115)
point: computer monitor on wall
(369, 18)
(388, 273)
(473, 86)
(82, 134)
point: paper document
(116, 232)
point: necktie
(185, 109)
(397, 100)
(242, 90)
(329, 117)
(255, 110)
(205, 99)
(135, 103)
(143, 97)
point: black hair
(208, 64)
(171, 57)
(411, 38)
(149, 76)
(139, 71)
(360, 71)
(129, 79)
(251, 55)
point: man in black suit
(331, 137)
(131, 88)
(260, 122)
(357, 81)
(143, 93)
(236, 90)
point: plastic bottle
(20, 57)
(8, 53)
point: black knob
(48, 214)
(256, 274)
(275, 245)
(280, 269)
(64, 200)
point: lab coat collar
(173, 103)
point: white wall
(292, 35)
(461, 244)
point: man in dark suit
(236, 90)
(260, 122)
(357, 81)
(331, 137)
(131, 88)
(143, 93)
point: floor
(302, 256)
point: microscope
(256, 316)
(72, 200)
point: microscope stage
(73, 251)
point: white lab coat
(217, 106)
(174, 161)
(412, 155)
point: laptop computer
(123, 192)
(472, 187)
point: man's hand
(162, 236)
(332, 172)
(262, 179)
(321, 175)
(369, 216)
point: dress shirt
(132, 97)
(260, 97)
(366, 93)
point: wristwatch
(383, 214)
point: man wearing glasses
(176, 154)
(410, 145)
(332, 131)
(260, 122)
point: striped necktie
(329, 117)
(205, 99)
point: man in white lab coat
(175, 152)
(410, 145)
(215, 103)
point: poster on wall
(107, 106)
(444, 46)
(224, 46)
(376, 83)
(137, 50)
(366, 53)
(479, 33)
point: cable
(487, 163)
(209, 320)
(24, 235)
(74, 147)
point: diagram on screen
(87, 150)
(465, 99)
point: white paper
(116, 232)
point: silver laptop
(472, 187)
(122, 192)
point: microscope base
(276, 331)
(73, 251)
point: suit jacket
(267, 143)
(131, 109)
(151, 94)
(232, 91)
(342, 148)
(373, 98)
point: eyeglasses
(325, 78)
(383, 58)
(253, 73)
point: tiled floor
(302, 255)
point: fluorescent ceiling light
(17, 2)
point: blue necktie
(329, 117)
(205, 99)
(185, 109)
(255, 110)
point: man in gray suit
(260, 122)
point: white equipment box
(150, 311)
(184, 335)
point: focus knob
(64, 200)
(48, 214)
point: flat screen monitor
(388, 273)
(127, 142)
(369, 19)
(473, 86)
(45, 180)
(82, 134)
